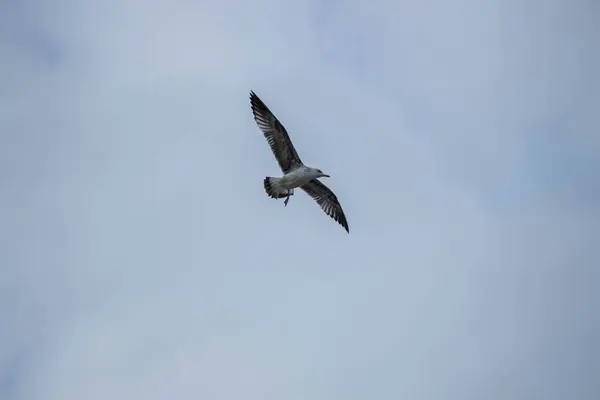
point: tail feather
(273, 190)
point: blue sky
(141, 258)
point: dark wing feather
(327, 200)
(276, 135)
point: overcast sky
(141, 259)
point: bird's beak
(326, 176)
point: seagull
(295, 173)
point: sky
(141, 258)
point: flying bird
(295, 173)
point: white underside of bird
(284, 186)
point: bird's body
(299, 176)
(296, 178)
(295, 173)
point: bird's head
(320, 173)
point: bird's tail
(274, 190)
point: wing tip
(257, 105)
(340, 217)
(344, 223)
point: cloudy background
(140, 257)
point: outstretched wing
(327, 200)
(276, 135)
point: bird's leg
(290, 193)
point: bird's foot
(290, 193)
